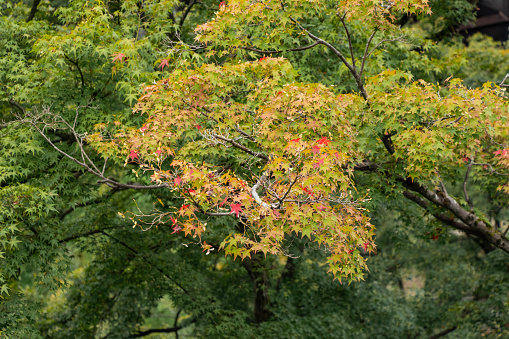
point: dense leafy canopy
(275, 132)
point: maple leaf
(183, 207)
(143, 128)
(236, 209)
(174, 221)
(222, 3)
(324, 140)
(276, 213)
(163, 63)
(365, 246)
(158, 152)
(222, 203)
(295, 140)
(176, 229)
(465, 159)
(118, 57)
(198, 127)
(315, 149)
(133, 155)
(318, 164)
(177, 181)
(278, 93)
(308, 191)
(321, 208)
(350, 251)
(191, 191)
(261, 59)
(435, 237)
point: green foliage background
(72, 268)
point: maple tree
(404, 131)
(259, 129)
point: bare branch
(465, 192)
(365, 55)
(277, 52)
(239, 146)
(349, 40)
(502, 83)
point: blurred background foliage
(72, 268)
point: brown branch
(186, 12)
(33, 10)
(63, 214)
(502, 83)
(448, 220)
(79, 70)
(277, 52)
(474, 223)
(365, 55)
(465, 192)
(156, 330)
(443, 333)
(86, 234)
(239, 146)
(17, 105)
(349, 40)
(147, 260)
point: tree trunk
(258, 273)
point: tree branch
(79, 70)
(349, 40)
(147, 260)
(443, 333)
(465, 192)
(365, 55)
(33, 10)
(277, 52)
(156, 330)
(474, 223)
(186, 12)
(239, 146)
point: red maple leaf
(191, 191)
(315, 149)
(321, 208)
(318, 164)
(177, 181)
(350, 251)
(198, 127)
(163, 63)
(174, 221)
(280, 92)
(158, 152)
(236, 209)
(176, 229)
(143, 128)
(133, 155)
(324, 141)
(183, 207)
(365, 246)
(261, 59)
(435, 237)
(295, 140)
(222, 203)
(308, 191)
(465, 159)
(118, 57)
(276, 213)
(222, 3)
